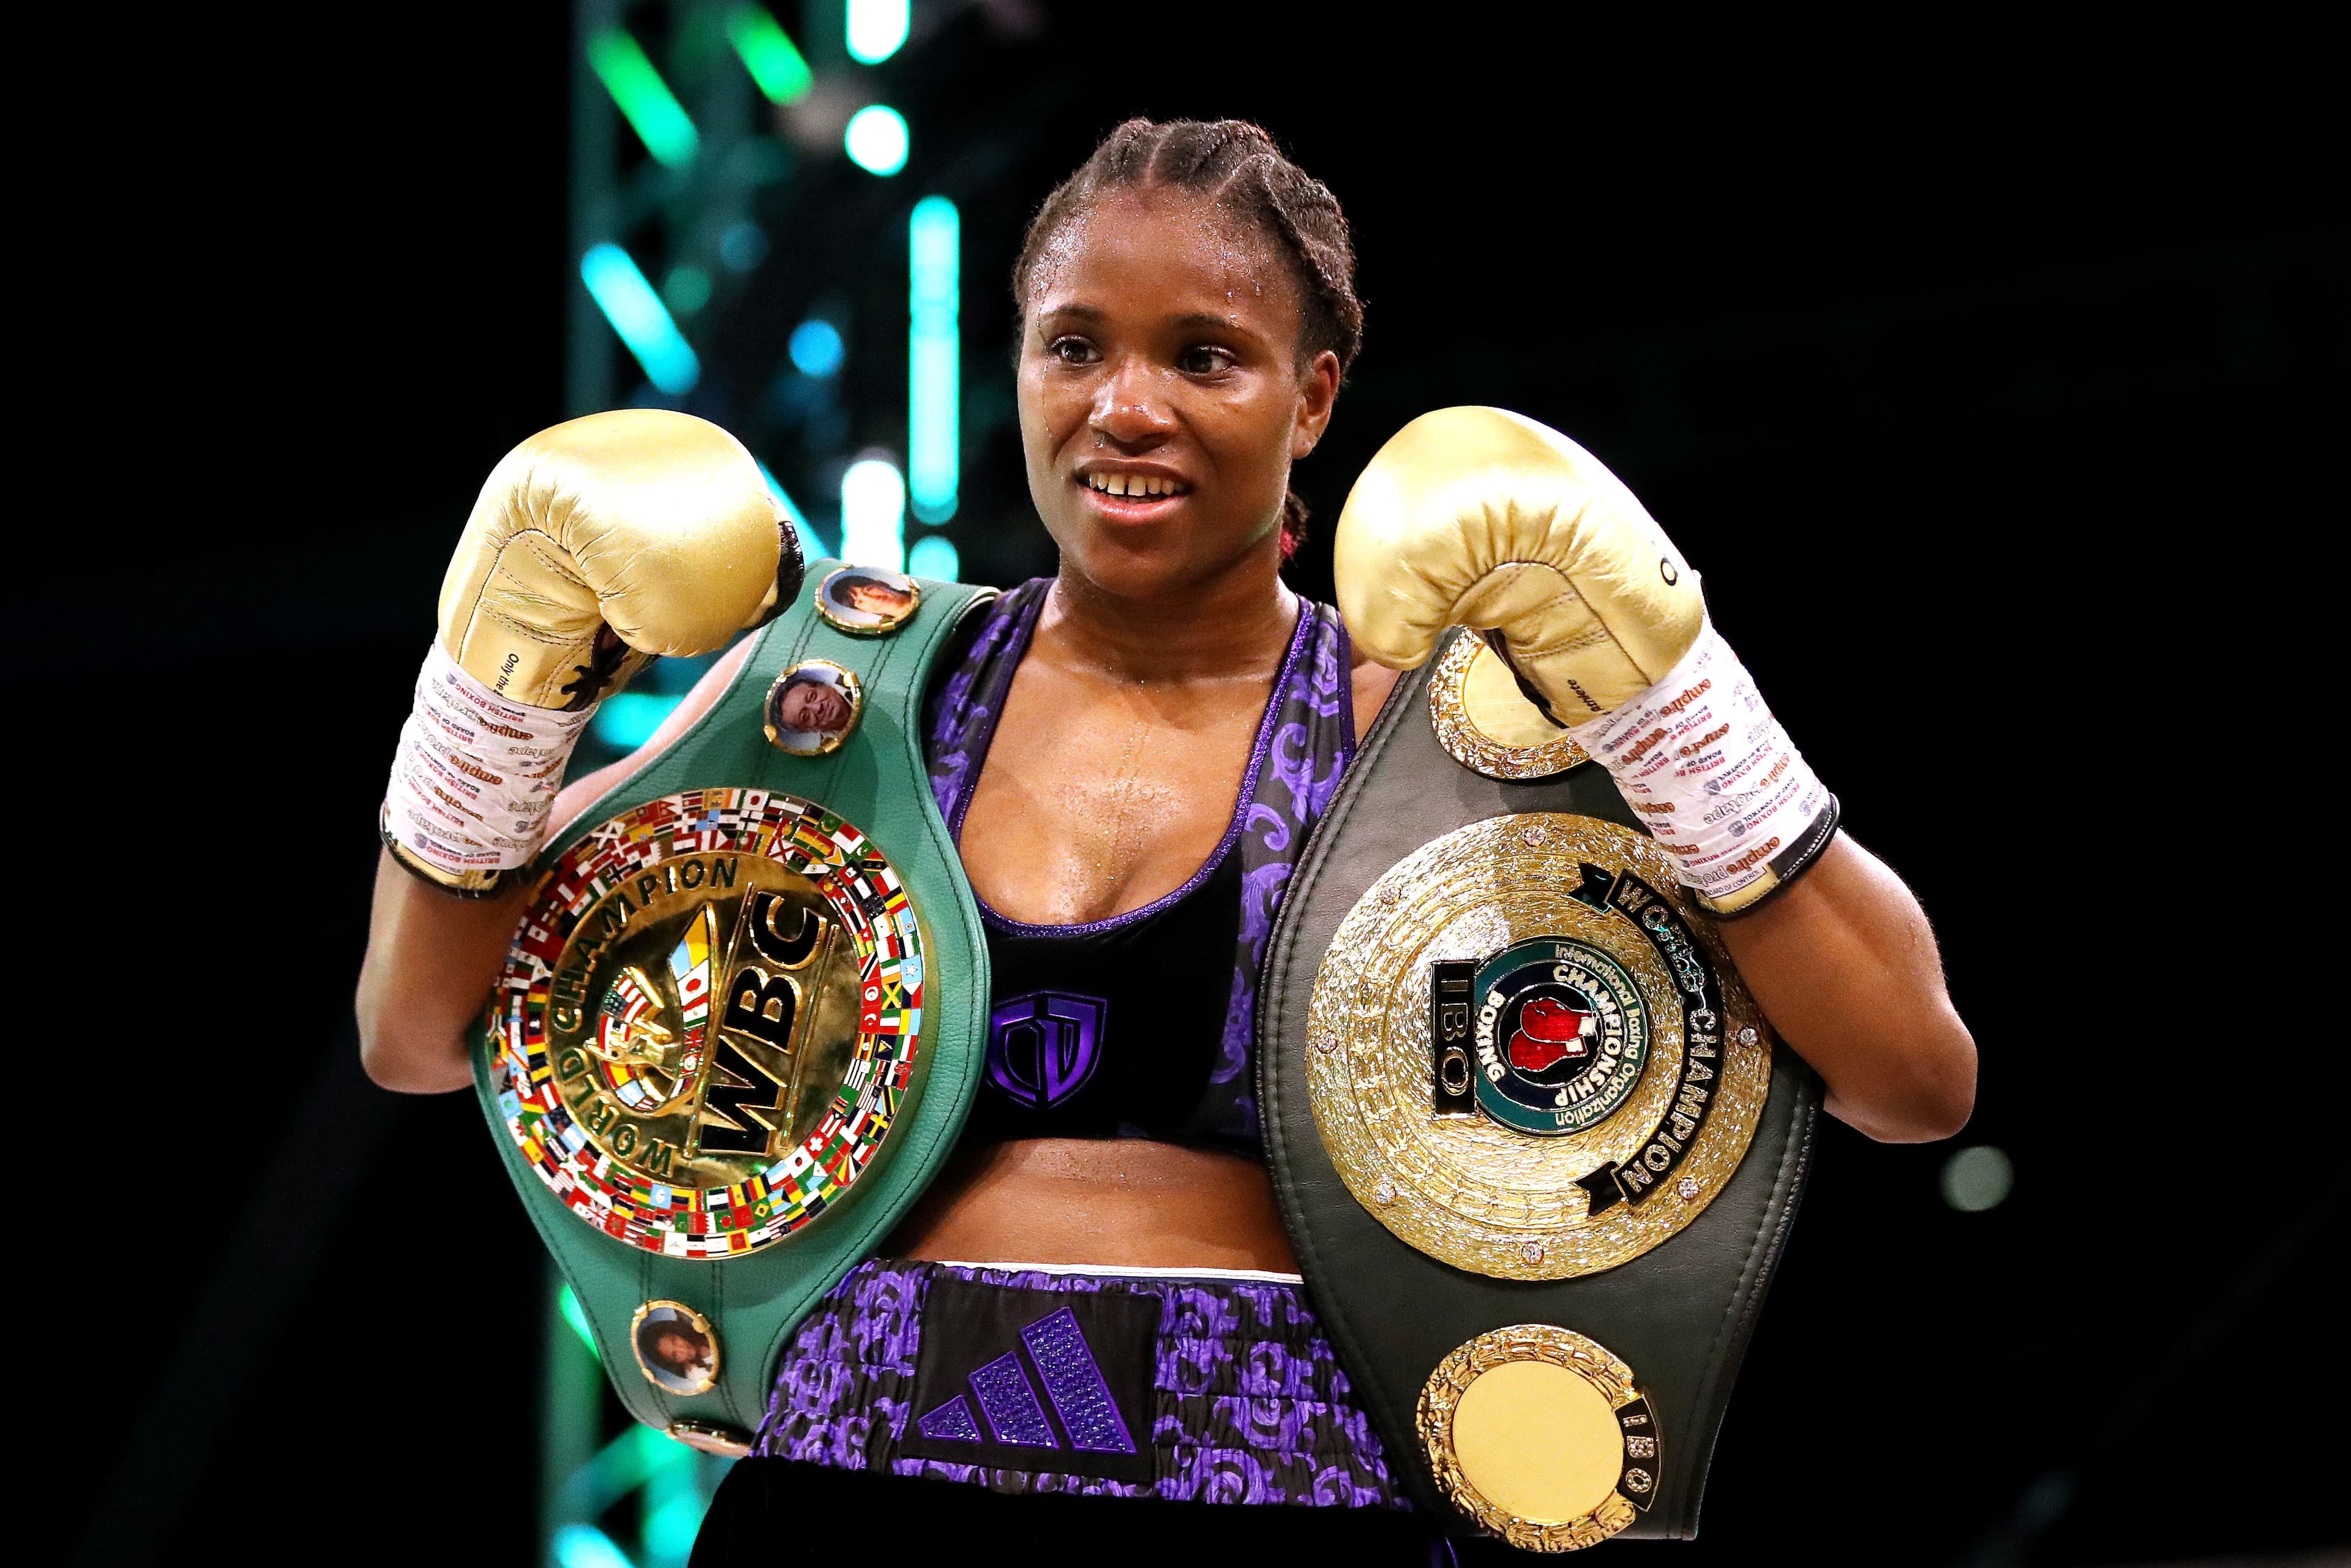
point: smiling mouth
(1134, 487)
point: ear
(1318, 390)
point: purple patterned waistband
(1247, 1402)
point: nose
(1126, 412)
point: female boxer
(1131, 754)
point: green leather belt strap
(1680, 1314)
(876, 781)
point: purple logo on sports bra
(1041, 1047)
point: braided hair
(1236, 166)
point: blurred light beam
(816, 348)
(640, 317)
(585, 1546)
(626, 720)
(769, 54)
(812, 548)
(875, 139)
(937, 558)
(934, 367)
(661, 123)
(873, 514)
(1978, 1178)
(569, 1305)
(877, 29)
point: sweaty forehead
(1160, 253)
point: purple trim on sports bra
(976, 753)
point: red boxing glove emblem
(1550, 1031)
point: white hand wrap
(475, 775)
(1715, 777)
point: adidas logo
(1007, 1398)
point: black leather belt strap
(1680, 1314)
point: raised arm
(595, 545)
(1480, 518)
(431, 956)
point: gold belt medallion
(1527, 1056)
(1541, 1436)
(1487, 725)
(710, 1019)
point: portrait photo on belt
(1151, 785)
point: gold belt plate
(1461, 1177)
(1541, 1436)
(709, 1020)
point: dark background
(1993, 380)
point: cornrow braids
(1236, 165)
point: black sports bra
(1140, 1026)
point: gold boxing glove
(1481, 517)
(595, 547)
(1484, 519)
(604, 542)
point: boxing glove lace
(1484, 519)
(595, 547)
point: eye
(1071, 352)
(1204, 359)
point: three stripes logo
(1007, 1398)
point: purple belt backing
(1192, 1389)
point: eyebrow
(1189, 319)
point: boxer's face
(1159, 356)
(808, 706)
(676, 1350)
(878, 603)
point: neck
(1234, 621)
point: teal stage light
(816, 348)
(876, 138)
(877, 29)
(686, 290)
(812, 544)
(585, 1546)
(873, 514)
(743, 246)
(640, 317)
(934, 362)
(577, 1316)
(769, 54)
(660, 121)
(937, 558)
(626, 720)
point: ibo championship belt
(1528, 1130)
(740, 1023)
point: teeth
(1134, 484)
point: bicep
(1370, 684)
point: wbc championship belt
(1531, 1134)
(741, 1022)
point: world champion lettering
(1669, 1142)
